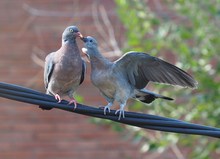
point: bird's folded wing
(48, 68)
(140, 68)
(83, 71)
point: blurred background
(184, 33)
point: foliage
(188, 31)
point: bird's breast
(104, 81)
(67, 74)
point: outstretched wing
(140, 68)
(48, 68)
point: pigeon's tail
(147, 96)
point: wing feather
(141, 68)
(48, 68)
(83, 72)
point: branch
(45, 13)
(35, 56)
(146, 121)
(105, 29)
(54, 13)
(177, 151)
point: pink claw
(57, 97)
(73, 101)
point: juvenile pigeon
(128, 76)
(64, 69)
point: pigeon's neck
(98, 61)
(71, 41)
(70, 48)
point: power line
(147, 121)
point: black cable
(146, 121)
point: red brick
(25, 130)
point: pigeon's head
(91, 46)
(71, 33)
(90, 42)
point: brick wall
(30, 27)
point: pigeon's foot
(73, 101)
(121, 113)
(57, 97)
(107, 108)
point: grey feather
(83, 72)
(146, 96)
(153, 69)
(48, 69)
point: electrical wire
(147, 121)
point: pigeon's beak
(84, 50)
(84, 39)
(79, 35)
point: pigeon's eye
(71, 30)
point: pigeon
(128, 76)
(64, 69)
